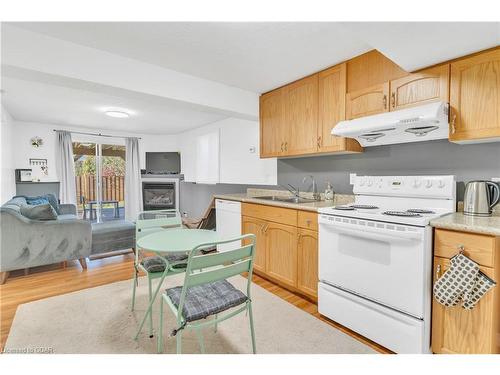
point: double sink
(286, 199)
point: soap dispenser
(329, 193)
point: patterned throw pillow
(39, 212)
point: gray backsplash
(466, 162)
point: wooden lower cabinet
(459, 331)
(286, 246)
(307, 254)
(454, 329)
(256, 226)
(281, 251)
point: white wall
(7, 177)
(22, 150)
(239, 161)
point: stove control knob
(361, 182)
(428, 184)
(417, 183)
(441, 184)
(370, 182)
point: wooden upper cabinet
(271, 124)
(369, 101)
(331, 110)
(423, 87)
(281, 247)
(475, 97)
(301, 116)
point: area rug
(99, 320)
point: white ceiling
(252, 56)
(255, 56)
(41, 102)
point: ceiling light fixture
(117, 114)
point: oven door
(383, 262)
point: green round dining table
(176, 240)
(172, 241)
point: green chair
(206, 292)
(150, 222)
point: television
(163, 163)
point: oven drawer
(391, 329)
(388, 266)
(478, 247)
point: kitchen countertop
(251, 197)
(465, 223)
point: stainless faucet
(295, 192)
(316, 195)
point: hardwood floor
(53, 280)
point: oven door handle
(369, 233)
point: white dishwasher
(228, 221)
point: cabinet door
(475, 97)
(331, 110)
(256, 227)
(301, 116)
(271, 124)
(307, 274)
(459, 331)
(281, 247)
(207, 158)
(427, 86)
(366, 102)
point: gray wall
(466, 162)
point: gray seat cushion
(207, 299)
(112, 235)
(156, 263)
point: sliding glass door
(100, 180)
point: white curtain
(133, 188)
(65, 167)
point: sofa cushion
(39, 212)
(42, 199)
(66, 217)
(15, 204)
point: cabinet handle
(264, 228)
(460, 248)
(281, 146)
(319, 142)
(384, 99)
(286, 146)
(299, 236)
(308, 222)
(438, 271)
(393, 99)
(452, 123)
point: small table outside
(93, 203)
(172, 241)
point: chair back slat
(210, 260)
(217, 274)
(171, 219)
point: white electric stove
(375, 258)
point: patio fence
(113, 188)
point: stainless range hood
(423, 123)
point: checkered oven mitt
(481, 287)
(457, 282)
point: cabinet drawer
(307, 220)
(480, 248)
(277, 214)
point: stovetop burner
(401, 213)
(364, 206)
(344, 208)
(420, 211)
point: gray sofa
(29, 243)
